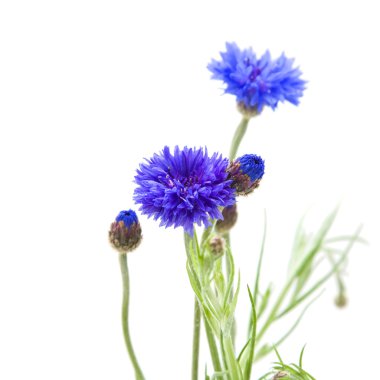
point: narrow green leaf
(319, 283)
(317, 242)
(278, 355)
(292, 328)
(258, 272)
(231, 276)
(206, 376)
(338, 275)
(345, 238)
(264, 301)
(251, 351)
(229, 356)
(211, 319)
(194, 281)
(213, 302)
(219, 281)
(264, 350)
(299, 242)
(301, 355)
(299, 269)
(243, 353)
(230, 309)
(220, 375)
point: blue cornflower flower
(246, 173)
(257, 82)
(184, 188)
(125, 232)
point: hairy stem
(213, 347)
(196, 340)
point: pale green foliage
(308, 252)
(214, 288)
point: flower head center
(190, 181)
(254, 73)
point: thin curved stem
(196, 340)
(191, 243)
(238, 137)
(125, 316)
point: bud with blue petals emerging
(125, 232)
(246, 173)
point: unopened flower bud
(280, 375)
(125, 232)
(229, 219)
(246, 173)
(341, 300)
(217, 246)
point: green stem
(228, 272)
(238, 136)
(233, 366)
(191, 244)
(236, 140)
(196, 340)
(125, 314)
(213, 347)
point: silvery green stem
(238, 136)
(232, 364)
(190, 243)
(213, 347)
(228, 272)
(125, 315)
(196, 340)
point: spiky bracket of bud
(230, 216)
(123, 238)
(241, 182)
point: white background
(89, 88)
